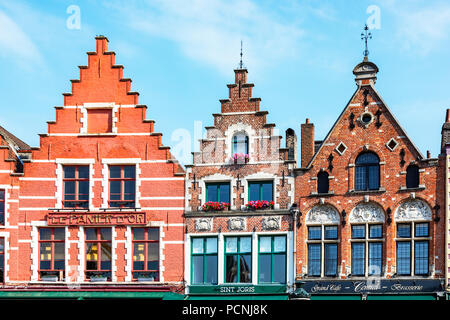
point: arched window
(323, 182)
(412, 176)
(366, 221)
(240, 143)
(322, 222)
(367, 172)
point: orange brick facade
(100, 125)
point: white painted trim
(123, 161)
(74, 161)
(262, 176)
(6, 237)
(217, 177)
(37, 179)
(163, 179)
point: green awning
(335, 297)
(401, 297)
(90, 295)
(228, 297)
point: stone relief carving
(236, 224)
(322, 214)
(413, 210)
(271, 223)
(203, 224)
(367, 212)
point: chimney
(307, 140)
(291, 144)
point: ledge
(353, 192)
(315, 194)
(419, 188)
(198, 214)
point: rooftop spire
(241, 64)
(365, 36)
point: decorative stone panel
(237, 224)
(271, 223)
(413, 210)
(367, 212)
(203, 224)
(322, 214)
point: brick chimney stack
(445, 134)
(307, 140)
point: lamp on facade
(436, 214)
(388, 220)
(343, 213)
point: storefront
(238, 292)
(372, 289)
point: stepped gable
(240, 112)
(101, 80)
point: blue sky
(181, 54)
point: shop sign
(95, 218)
(372, 286)
(237, 289)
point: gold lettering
(131, 218)
(89, 219)
(81, 220)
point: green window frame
(238, 259)
(206, 257)
(270, 261)
(222, 187)
(262, 190)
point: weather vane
(240, 62)
(365, 36)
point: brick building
(368, 206)
(98, 205)
(445, 184)
(232, 245)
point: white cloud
(15, 44)
(421, 27)
(210, 31)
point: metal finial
(365, 36)
(240, 62)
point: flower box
(240, 158)
(215, 206)
(260, 205)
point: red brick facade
(367, 126)
(100, 125)
(267, 162)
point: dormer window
(240, 143)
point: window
(240, 143)
(272, 259)
(413, 248)
(367, 249)
(122, 185)
(2, 260)
(76, 186)
(98, 254)
(204, 261)
(218, 192)
(51, 253)
(262, 190)
(322, 251)
(146, 254)
(238, 259)
(322, 182)
(367, 172)
(412, 176)
(2, 207)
